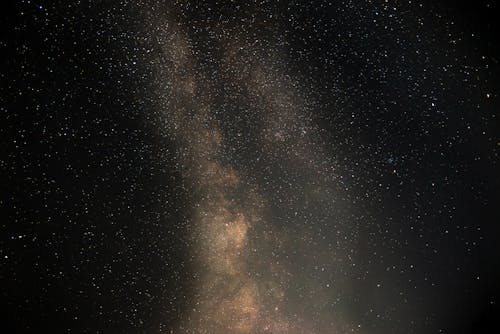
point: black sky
(331, 166)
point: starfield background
(249, 167)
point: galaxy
(250, 167)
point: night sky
(250, 167)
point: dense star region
(249, 167)
(241, 260)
